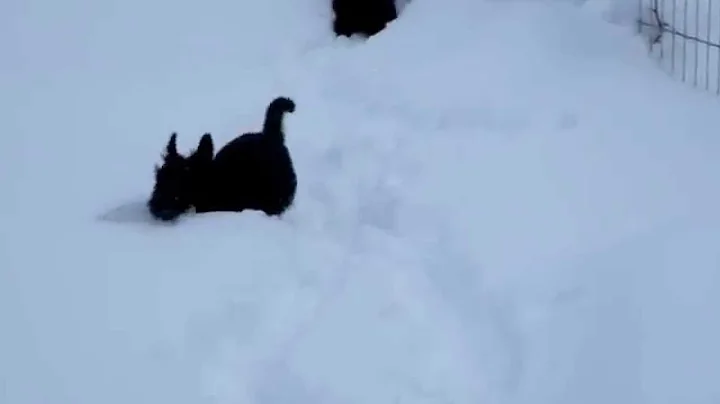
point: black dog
(364, 17)
(253, 171)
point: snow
(500, 202)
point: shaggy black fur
(253, 171)
(364, 17)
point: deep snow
(500, 202)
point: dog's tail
(274, 116)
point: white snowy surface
(500, 202)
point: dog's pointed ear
(206, 149)
(171, 148)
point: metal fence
(684, 35)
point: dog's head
(179, 179)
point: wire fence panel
(684, 36)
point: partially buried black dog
(253, 171)
(363, 17)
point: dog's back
(255, 170)
(365, 17)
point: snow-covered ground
(500, 202)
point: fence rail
(684, 36)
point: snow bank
(637, 324)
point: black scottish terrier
(364, 17)
(253, 171)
